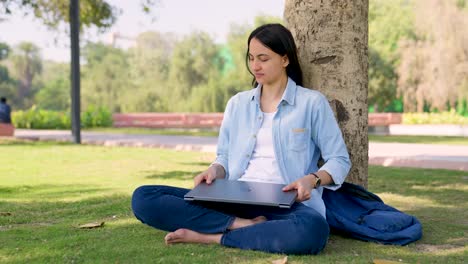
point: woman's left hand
(303, 186)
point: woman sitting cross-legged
(273, 133)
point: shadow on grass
(172, 175)
(436, 197)
(49, 191)
(125, 241)
(30, 214)
(45, 232)
(443, 186)
(204, 164)
(36, 143)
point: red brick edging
(212, 120)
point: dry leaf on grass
(384, 261)
(92, 225)
(280, 261)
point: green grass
(48, 189)
(420, 139)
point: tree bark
(331, 36)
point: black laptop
(243, 192)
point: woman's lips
(258, 75)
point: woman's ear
(285, 60)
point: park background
(418, 63)
(417, 59)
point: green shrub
(450, 117)
(35, 118)
(96, 117)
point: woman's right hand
(210, 175)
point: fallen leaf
(5, 213)
(280, 261)
(92, 225)
(384, 261)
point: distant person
(5, 111)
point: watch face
(318, 182)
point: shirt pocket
(298, 139)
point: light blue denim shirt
(304, 128)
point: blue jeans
(298, 230)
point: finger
(302, 194)
(289, 187)
(299, 198)
(196, 181)
(208, 179)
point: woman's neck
(274, 91)
(272, 94)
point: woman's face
(267, 66)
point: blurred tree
(383, 47)
(208, 96)
(7, 83)
(149, 64)
(105, 77)
(55, 95)
(26, 63)
(237, 78)
(53, 84)
(194, 59)
(433, 73)
(382, 81)
(4, 50)
(98, 13)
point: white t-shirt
(262, 165)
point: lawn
(48, 189)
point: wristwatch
(318, 181)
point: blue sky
(179, 16)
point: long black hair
(280, 40)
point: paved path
(386, 154)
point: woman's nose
(255, 65)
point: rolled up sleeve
(329, 140)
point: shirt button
(259, 117)
(254, 136)
(248, 155)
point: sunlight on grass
(115, 222)
(47, 190)
(459, 187)
(441, 250)
(409, 203)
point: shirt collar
(289, 94)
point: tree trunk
(331, 37)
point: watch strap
(318, 181)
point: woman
(274, 133)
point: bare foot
(188, 236)
(242, 222)
(259, 219)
